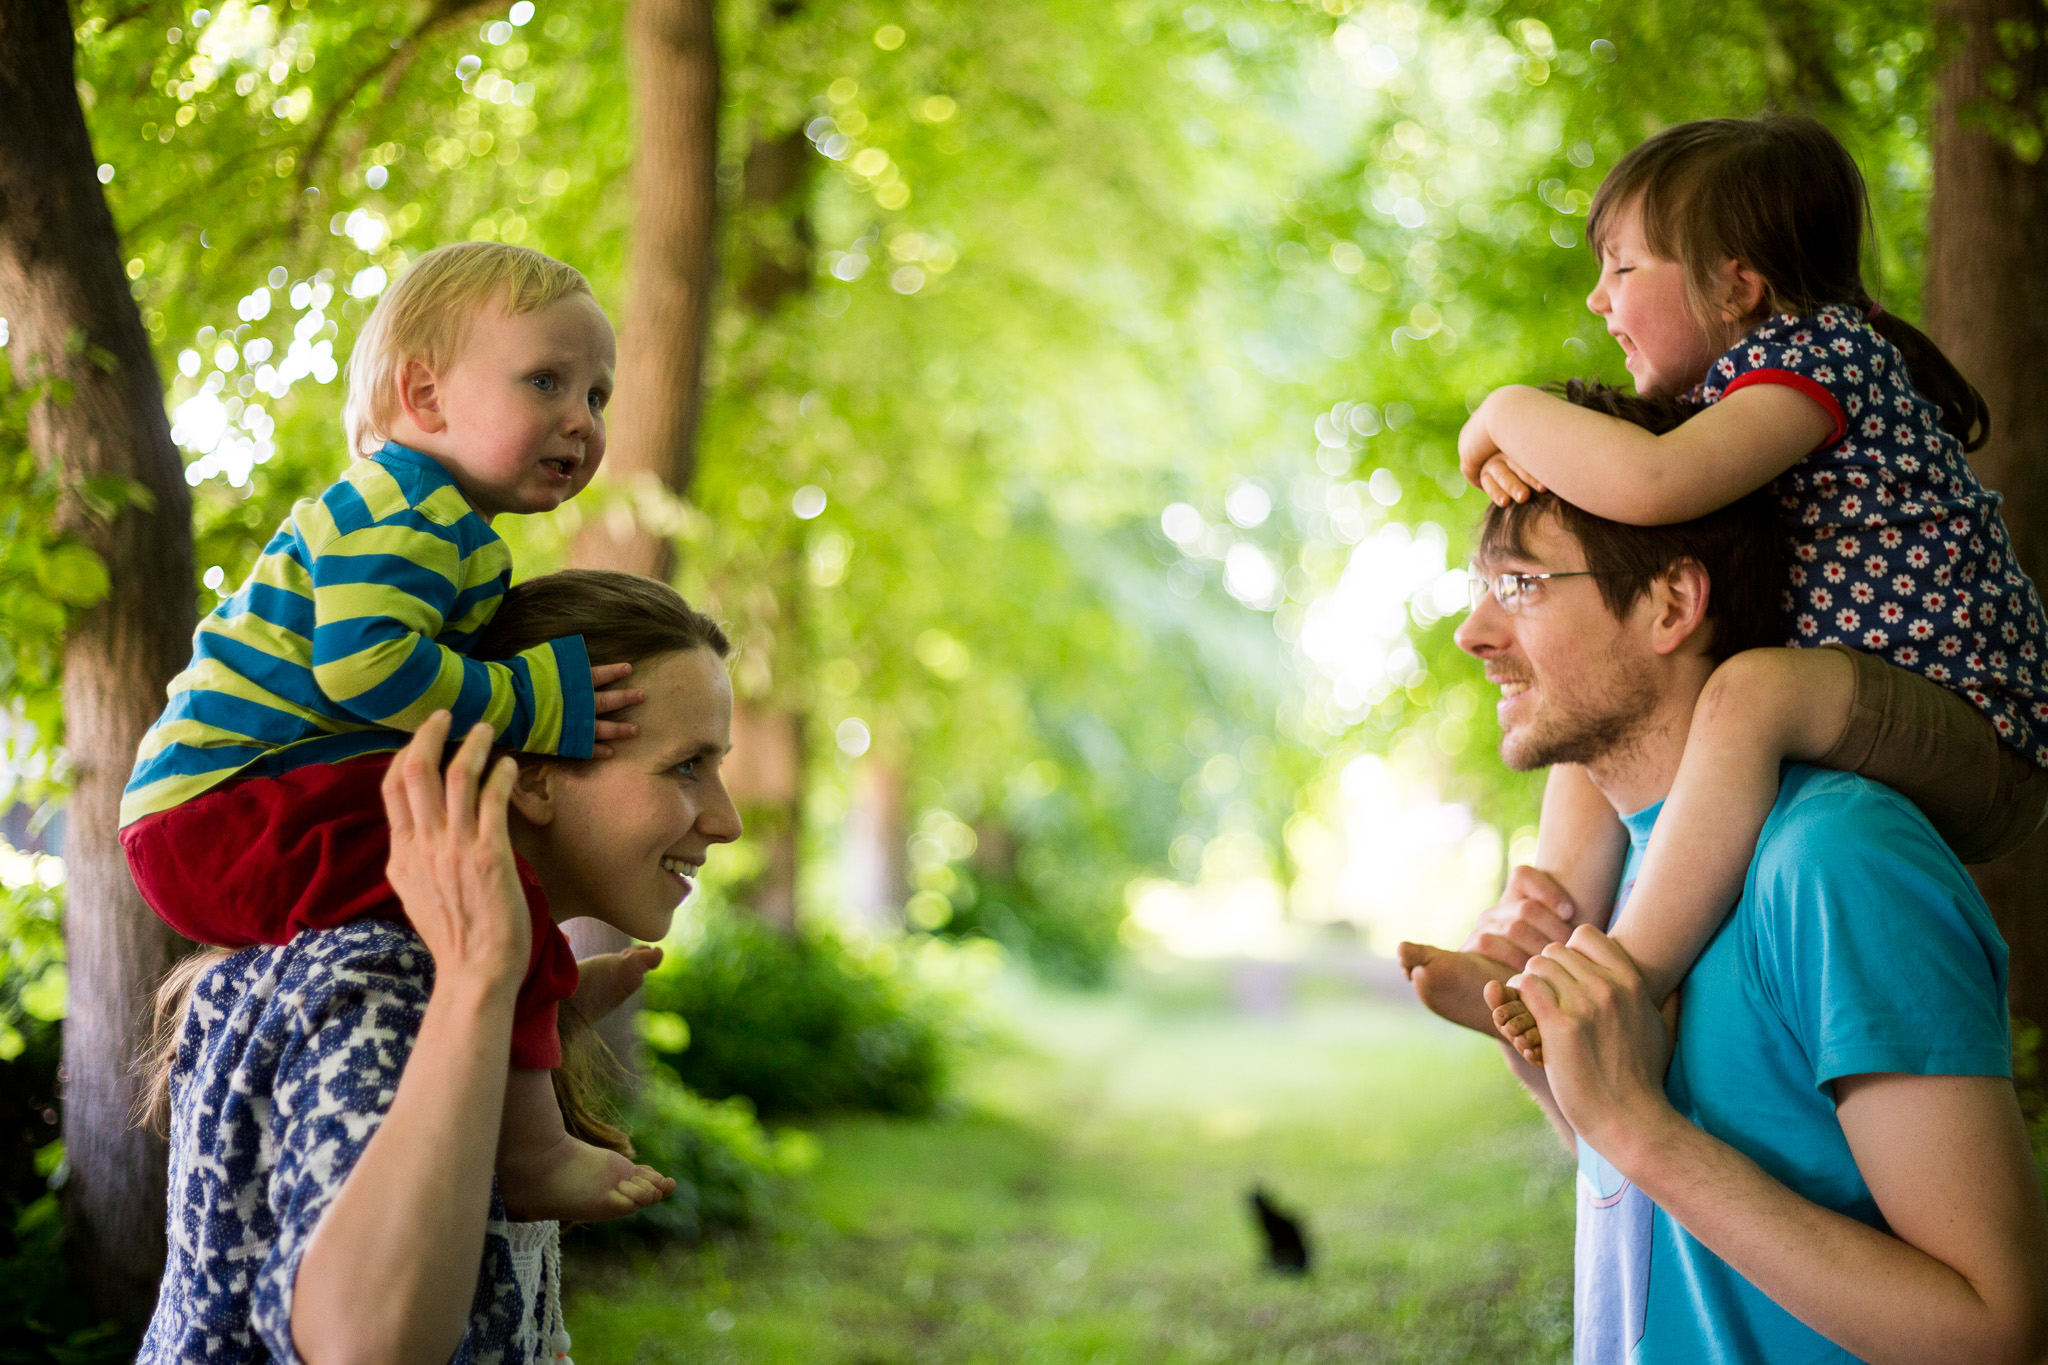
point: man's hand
(1533, 912)
(1605, 1045)
(616, 699)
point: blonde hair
(427, 315)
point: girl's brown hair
(622, 619)
(1782, 195)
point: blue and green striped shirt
(350, 631)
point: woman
(335, 1102)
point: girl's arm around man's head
(1617, 470)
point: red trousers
(258, 860)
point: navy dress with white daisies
(1897, 550)
(288, 1060)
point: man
(1835, 1166)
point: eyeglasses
(1509, 589)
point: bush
(795, 1023)
(726, 1167)
(43, 1321)
(1064, 942)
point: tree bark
(765, 774)
(674, 46)
(62, 284)
(1987, 307)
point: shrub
(1067, 941)
(796, 1023)
(43, 1321)
(725, 1165)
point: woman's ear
(535, 792)
(419, 395)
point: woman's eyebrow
(707, 749)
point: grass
(1085, 1205)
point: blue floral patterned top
(288, 1060)
(1896, 548)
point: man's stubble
(1591, 730)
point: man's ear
(1679, 596)
(419, 395)
(535, 792)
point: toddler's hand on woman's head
(614, 699)
(451, 857)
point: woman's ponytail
(1963, 410)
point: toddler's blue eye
(544, 382)
(687, 768)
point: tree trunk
(1987, 307)
(62, 283)
(674, 46)
(765, 774)
(876, 845)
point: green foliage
(1060, 939)
(1045, 269)
(32, 977)
(797, 1023)
(2031, 1079)
(48, 575)
(727, 1168)
(42, 1321)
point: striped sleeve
(385, 587)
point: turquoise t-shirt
(1859, 945)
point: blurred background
(1057, 401)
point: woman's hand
(451, 858)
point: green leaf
(73, 574)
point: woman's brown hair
(1782, 195)
(622, 619)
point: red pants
(258, 860)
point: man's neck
(1638, 770)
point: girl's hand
(451, 857)
(615, 700)
(1483, 463)
(1476, 445)
(1502, 481)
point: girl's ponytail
(1782, 195)
(1963, 410)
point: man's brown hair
(1739, 546)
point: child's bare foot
(1512, 1018)
(1453, 984)
(574, 1182)
(604, 982)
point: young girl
(476, 389)
(1730, 258)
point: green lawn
(1086, 1205)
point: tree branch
(392, 67)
